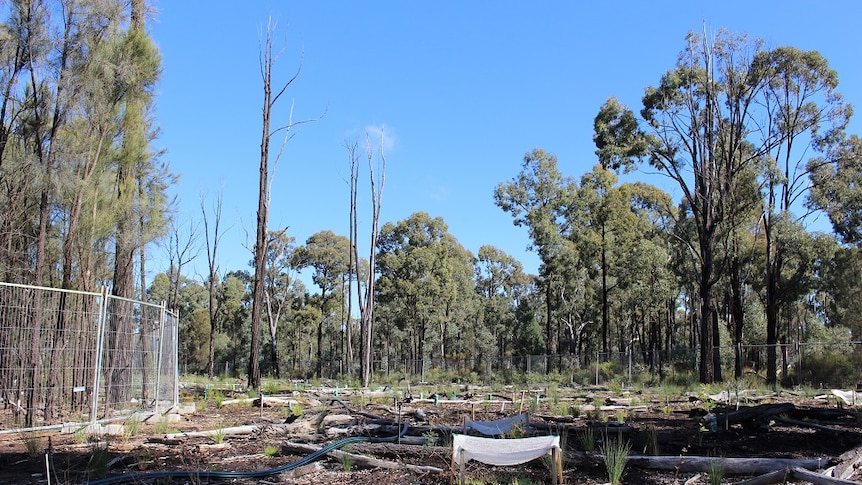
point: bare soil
(674, 426)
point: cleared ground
(245, 436)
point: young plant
(270, 451)
(81, 436)
(431, 438)
(99, 460)
(615, 454)
(715, 470)
(517, 431)
(651, 447)
(296, 409)
(271, 388)
(218, 436)
(161, 426)
(143, 461)
(217, 398)
(32, 443)
(346, 462)
(621, 415)
(587, 437)
(132, 427)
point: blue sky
(463, 88)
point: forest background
(720, 219)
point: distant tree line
(754, 140)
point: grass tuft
(615, 454)
(32, 443)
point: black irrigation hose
(189, 474)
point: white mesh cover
(501, 451)
(850, 398)
(498, 426)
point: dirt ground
(653, 424)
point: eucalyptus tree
(234, 303)
(529, 339)
(500, 284)
(212, 237)
(727, 109)
(426, 281)
(191, 305)
(648, 286)
(838, 296)
(282, 288)
(837, 190)
(537, 199)
(804, 115)
(328, 254)
(836, 180)
(597, 226)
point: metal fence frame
(75, 356)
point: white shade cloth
(501, 451)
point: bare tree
(353, 257)
(365, 292)
(270, 99)
(182, 250)
(212, 280)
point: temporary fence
(74, 356)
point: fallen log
(778, 476)
(806, 424)
(818, 479)
(271, 401)
(361, 461)
(821, 414)
(607, 428)
(733, 466)
(395, 451)
(749, 415)
(303, 470)
(782, 476)
(304, 427)
(848, 463)
(172, 438)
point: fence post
(176, 353)
(100, 351)
(161, 350)
(597, 368)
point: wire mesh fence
(812, 364)
(72, 356)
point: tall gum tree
(329, 255)
(537, 199)
(694, 130)
(804, 116)
(728, 109)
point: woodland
(755, 139)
